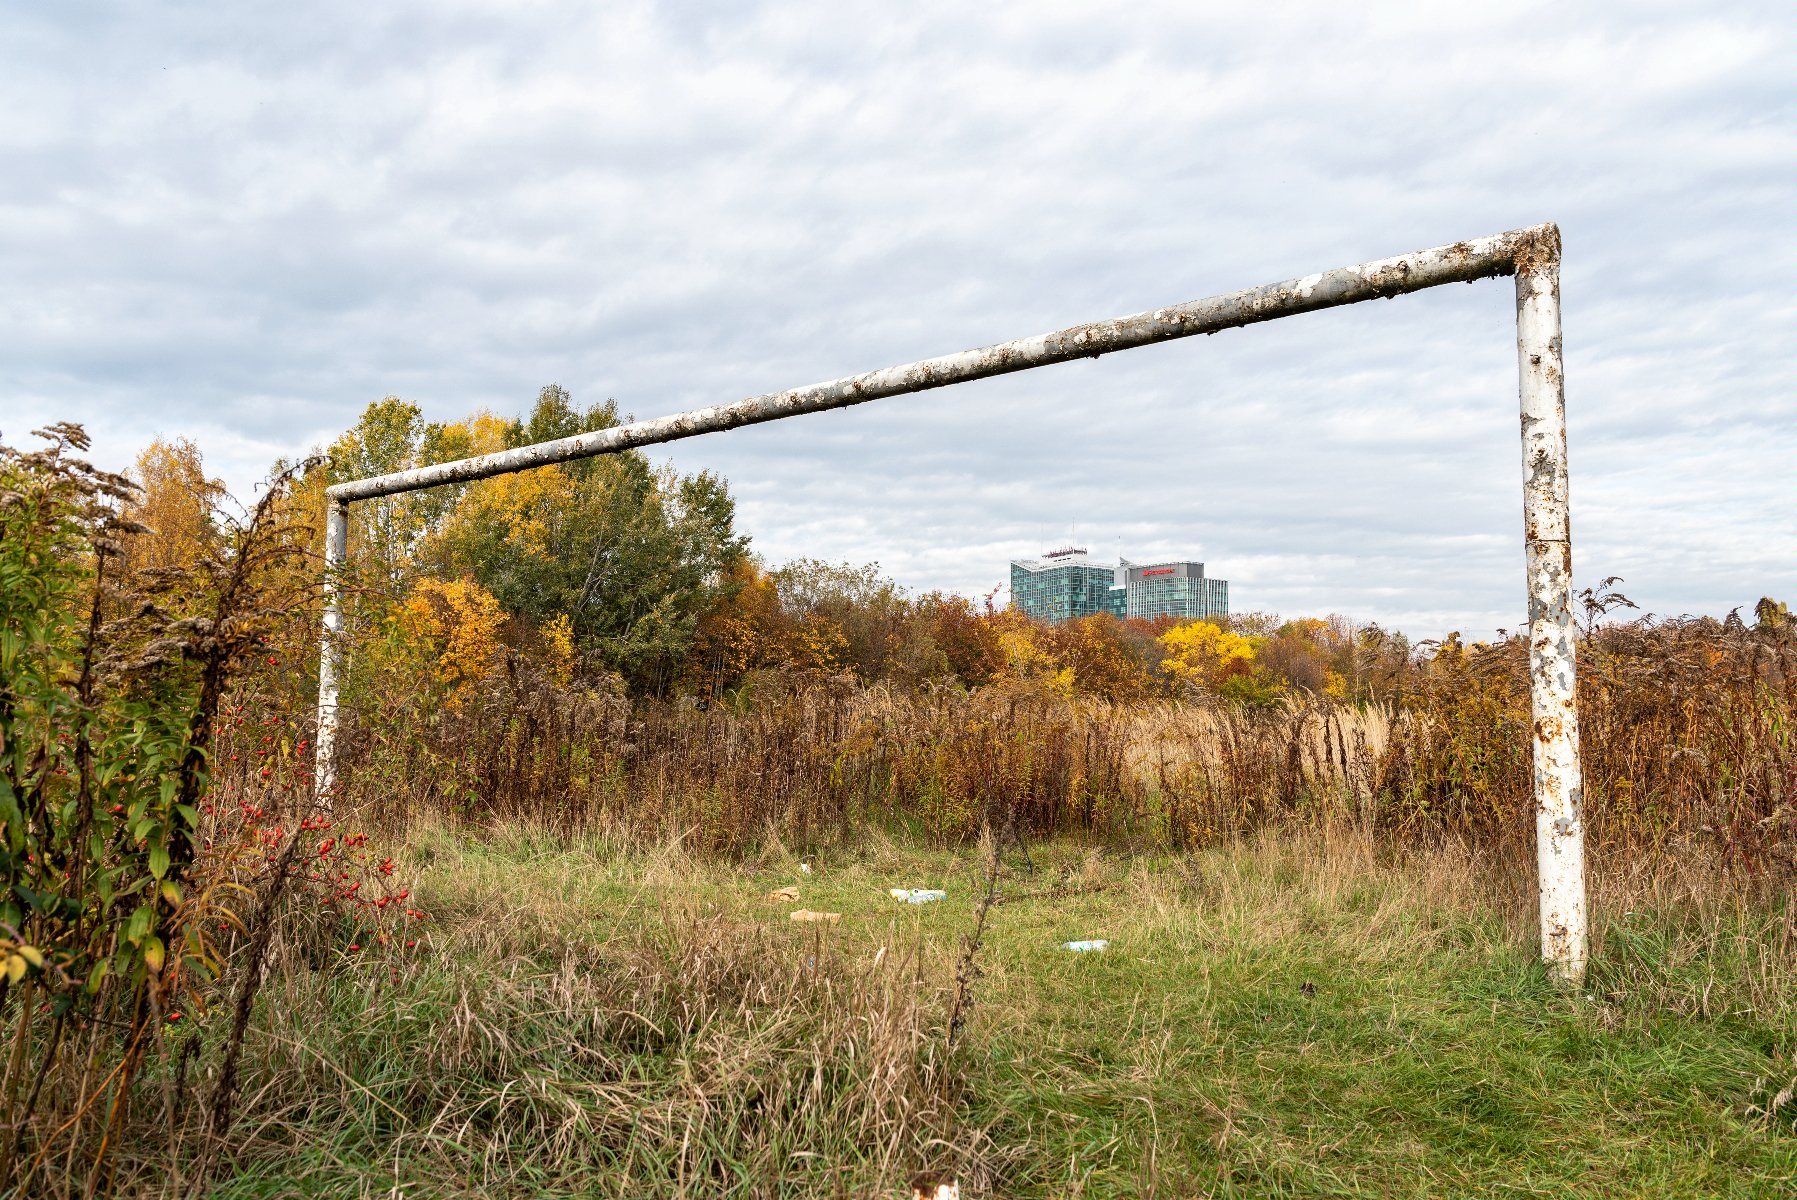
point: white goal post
(1532, 255)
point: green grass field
(1294, 1018)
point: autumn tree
(607, 560)
(967, 641)
(177, 504)
(745, 628)
(1305, 655)
(1029, 651)
(454, 628)
(630, 555)
(388, 534)
(1094, 649)
(882, 633)
(1206, 655)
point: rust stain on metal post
(1532, 255)
(1559, 816)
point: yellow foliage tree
(1204, 653)
(558, 647)
(1028, 654)
(481, 433)
(820, 645)
(175, 502)
(525, 505)
(458, 624)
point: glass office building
(1061, 585)
(1175, 589)
(1064, 584)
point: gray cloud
(244, 223)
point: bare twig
(966, 968)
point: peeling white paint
(330, 656)
(1559, 827)
(1532, 255)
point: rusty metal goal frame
(1531, 255)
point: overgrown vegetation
(112, 684)
(521, 949)
(1685, 725)
(594, 1014)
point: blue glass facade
(1061, 586)
(1175, 590)
(1065, 584)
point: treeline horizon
(614, 568)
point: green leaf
(159, 861)
(139, 925)
(153, 953)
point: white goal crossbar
(1532, 255)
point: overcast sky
(242, 223)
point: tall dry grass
(543, 1048)
(1686, 739)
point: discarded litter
(785, 895)
(1092, 946)
(805, 914)
(918, 895)
(804, 868)
(935, 1185)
